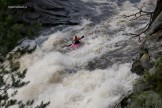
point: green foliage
(11, 79)
(31, 31)
(42, 105)
(10, 32)
(147, 99)
(148, 89)
(141, 85)
(154, 78)
(10, 29)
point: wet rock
(157, 36)
(126, 101)
(63, 12)
(53, 12)
(137, 68)
(154, 42)
(101, 63)
(154, 48)
(142, 62)
(145, 62)
(156, 25)
(1, 58)
(32, 16)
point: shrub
(147, 99)
(148, 89)
(11, 79)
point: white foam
(83, 89)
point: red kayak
(75, 46)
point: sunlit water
(65, 77)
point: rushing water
(95, 75)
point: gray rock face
(32, 16)
(157, 24)
(54, 12)
(153, 44)
(137, 68)
(142, 62)
(154, 48)
(64, 12)
(145, 61)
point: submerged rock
(101, 63)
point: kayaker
(77, 40)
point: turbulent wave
(66, 77)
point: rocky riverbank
(148, 64)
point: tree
(157, 10)
(153, 26)
(147, 91)
(10, 80)
(11, 29)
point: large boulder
(137, 68)
(145, 61)
(142, 62)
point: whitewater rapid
(65, 77)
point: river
(97, 74)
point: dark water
(68, 12)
